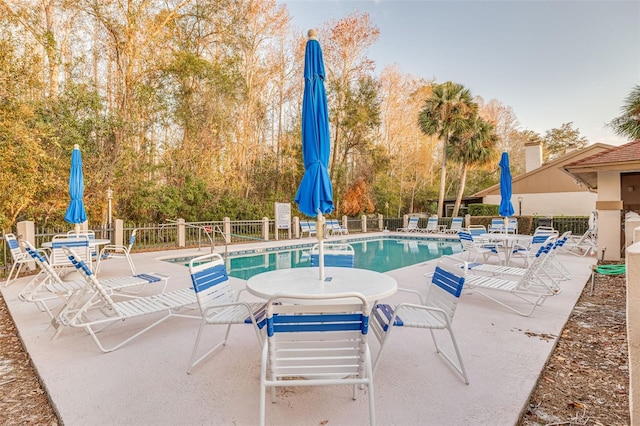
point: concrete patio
(145, 382)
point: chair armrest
(416, 292)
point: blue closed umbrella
(315, 194)
(76, 213)
(506, 208)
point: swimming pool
(380, 254)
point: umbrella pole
(320, 235)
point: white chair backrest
(317, 329)
(446, 285)
(79, 243)
(477, 230)
(42, 262)
(132, 239)
(432, 222)
(210, 280)
(14, 247)
(91, 279)
(456, 223)
(342, 255)
(466, 238)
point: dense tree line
(191, 108)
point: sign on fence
(283, 215)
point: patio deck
(145, 382)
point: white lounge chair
(316, 341)
(312, 229)
(412, 225)
(19, 257)
(587, 243)
(304, 228)
(49, 286)
(528, 288)
(432, 226)
(342, 255)
(159, 307)
(114, 251)
(433, 313)
(334, 227)
(218, 303)
(456, 225)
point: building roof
(548, 177)
(624, 158)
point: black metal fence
(211, 233)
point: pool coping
(333, 239)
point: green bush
(483, 209)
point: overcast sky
(553, 62)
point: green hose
(611, 269)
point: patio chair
(79, 243)
(412, 226)
(433, 313)
(432, 226)
(218, 303)
(549, 272)
(19, 257)
(456, 225)
(114, 251)
(496, 225)
(342, 255)
(159, 307)
(52, 287)
(475, 249)
(316, 341)
(528, 288)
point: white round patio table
(306, 282)
(507, 240)
(93, 242)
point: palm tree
(472, 148)
(446, 111)
(628, 124)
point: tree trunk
(463, 181)
(443, 177)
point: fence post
(118, 231)
(265, 228)
(226, 226)
(405, 220)
(345, 222)
(27, 231)
(182, 233)
(296, 227)
(364, 223)
(467, 220)
(380, 222)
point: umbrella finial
(312, 34)
(76, 146)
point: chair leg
(133, 268)
(13, 267)
(460, 367)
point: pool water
(379, 255)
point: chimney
(533, 156)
